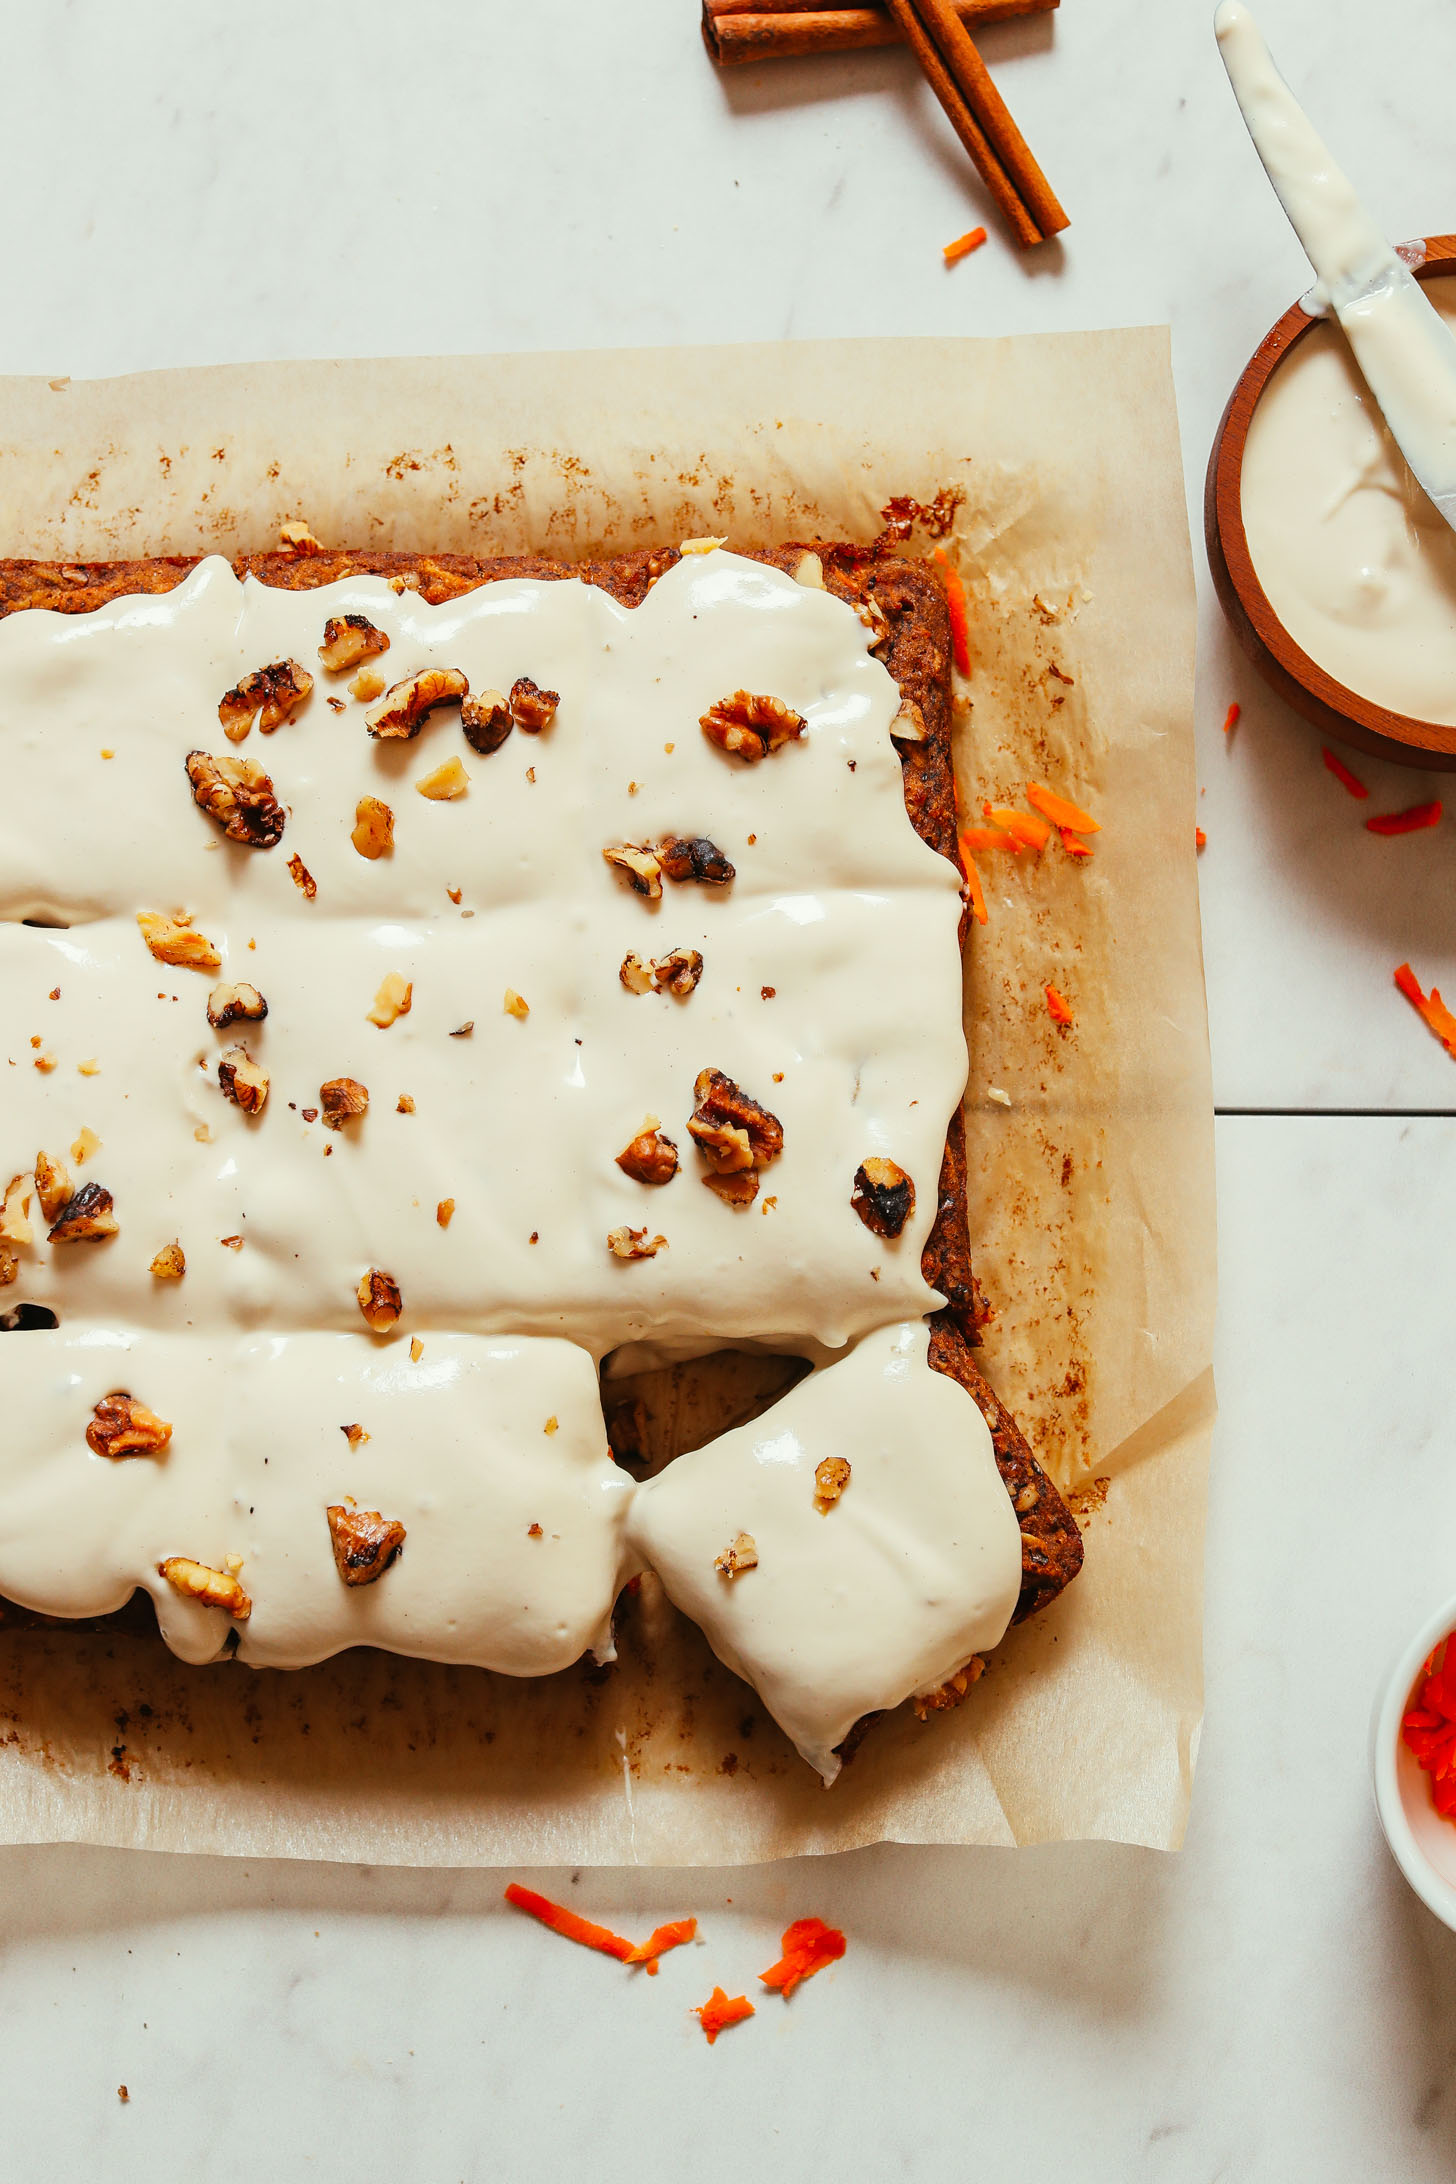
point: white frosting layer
(914, 1568)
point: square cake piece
(424, 978)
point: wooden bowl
(1337, 712)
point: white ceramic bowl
(1422, 1843)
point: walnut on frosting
(343, 1099)
(678, 972)
(639, 865)
(634, 1243)
(830, 1480)
(172, 940)
(15, 1227)
(393, 1000)
(486, 720)
(170, 1264)
(86, 1218)
(9, 1265)
(750, 727)
(740, 1556)
(400, 713)
(883, 1196)
(269, 695)
(349, 640)
(635, 975)
(52, 1185)
(364, 1542)
(445, 783)
(238, 796)
(379, 1299)
(694, 857)
(121, 1425)
(242, 1080)
(651, 1157)
(235, 1004)
(532, 709)
(738, 1189)
(373, 830)
(214, 1588)
(731, 1129)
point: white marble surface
(192, 184)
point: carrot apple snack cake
(426, 977)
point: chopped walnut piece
(379, 1299)
(742, 1555)
(634, 1243)
(393, 1000)
(875, 620)
(651, 1157)
(951, 1692)
(348, 640)
(417, 1349)
(214, 1588)
(635, 974)
(88, 1069)
(809, 571)
(638, 863)
(486, 720)
(172, 940)
(238, 795)
(404, 1105)
(295, 537)
(830, 1480)
(737, 1189)
(751, 727)
(694, 857)
(342, 1100)
(231, 1243)
(373, 830)
(532, 709)
(515, 1006)
(170, 1263)
(52, 1185)
(354, 1435)
(908, 726)
(86, 1218)
(701, 545)
(367, 685)
(84, 1144)
(731, 1130)
(15, 1227)
(9, 1265)
(45, 1063)
(235, 1004)
(534, 1531)
(365, 1543)
(883, 1196)
(270, 695)
(678, 972)
(303, 879)
(121, 1426)
(445, 1212)
(243, 1081)
(401, 711)
(448, 782)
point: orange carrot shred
(1073, 844)
(1429, 1006)
(720, 2011)
(1060, 810)
(963, 245)
(1232, 717)
(808, 1945)
(1342, 773)
(955, 600)
(979, 838)
(1058, 1007)
(1030, 833)
(1200, 839)
(975, 893)
(567, 1924)
(1409, 821)
(661, 1939)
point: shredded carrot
(661, 1939)
(1232, 717)
(1060, 810)
(1058, 1007)
(963, 245)
(1200, 839)
(975, 893)
(1410, 821)
(1429, 1007)
(568, 1925)
(1030, 833)
(1342, 773)
(720, 2011)
(955, 599)
(979, 838)
(808, 1945)
(1428, 1728)
(1073, 844)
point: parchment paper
(1091, 1194)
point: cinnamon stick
(985, 156)
(973, 81)
(739, 31)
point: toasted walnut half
(238, 795)
(445, 783)
(214, 1588)
(830, 1480)
(342, 1100)
(908, 726)
(15, 1225)
(750, 727)
(651, 1157)
(86, 1218)
(122, 1426)
(373, 830)
(243, 1081)
(634, 1243)
(635, 974)
(234, 1005)
(269, 695)
(694, 857)
(638, 863)
(532, 709)
(678, 972)
(875, 620)
(172, 940)
(379, 1299)
(487, 721)
(727, 1122)
(170, 1263)
(883, 1196)
(348, 640)
(742, 1555)
(738, 1189)
(365, 1543)
(393, 1000)
(401, 711)
(52, 1185)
